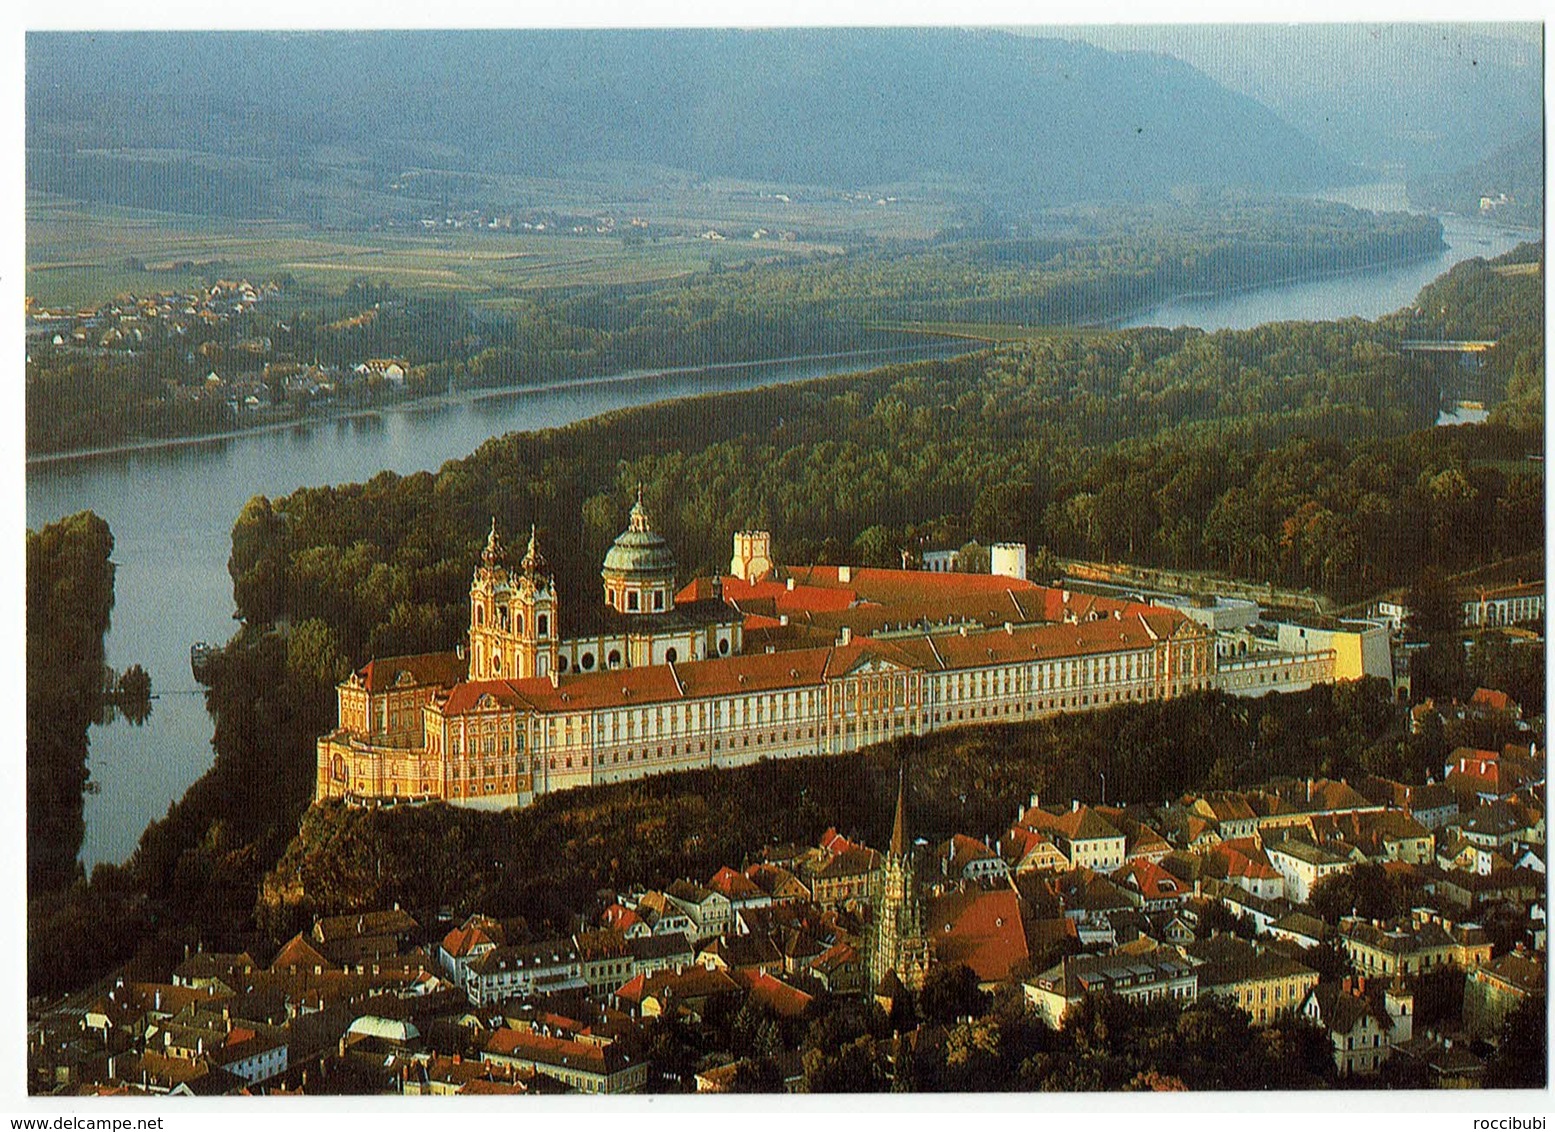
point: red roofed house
(1479, 774)
(467, 943)
(772, 993)
(1242, 862)
(966, 858)
(583, 1066)
(1151, 887)
(780, 885)
(980, 929)
(839, 969)
(1031, 851)
(738, 889)
(676, 992)
(1086, 838)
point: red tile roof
(544, 1050)
(1493, 700)
(620, 917)
(1082, 824)
(483, 1087)
(1151, 881)
(1240, 857)
(961, 850)
(774, 994)
(298, 952)
(473, 933)
(734, 885)
(981, 929)
(437, 669)
(811, 667)
(777, 598)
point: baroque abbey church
(769, 661)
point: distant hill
(1040, 120)
(1507, 186)
(1428, 97)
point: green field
(80, 254)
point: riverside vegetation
(69, 605)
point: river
(171, 508)
(1367, 293)
(171, 511)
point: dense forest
(1292, 453)
(69, 602)
(1062, 269)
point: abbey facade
(769, 661)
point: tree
(951, 992)
(858, 1066)
(1330, 960)
(1366, 891)
(132, 694)
(1299, 1053)
(1439, 996)
(1520, 1060)
(258, 563)
(69, 601)
(1433, 606)
(1044, 567)
(672, 1055)
(312, 657)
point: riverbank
(432, 402)
(1121, 321)
(994, 333)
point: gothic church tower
(898, 941)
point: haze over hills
(1430, 97)
(1041, 121)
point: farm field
(80, 253)
(79, 256)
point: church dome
(640, 549)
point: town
(215, 353)
(1241, 897)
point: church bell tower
(513, 631)
(899, 944)
(534, 614)
(490, 591)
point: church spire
(639, 520)
(899, 842)
(492, 555)
(534, 561)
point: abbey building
(770, 661)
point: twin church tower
(514, 624)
